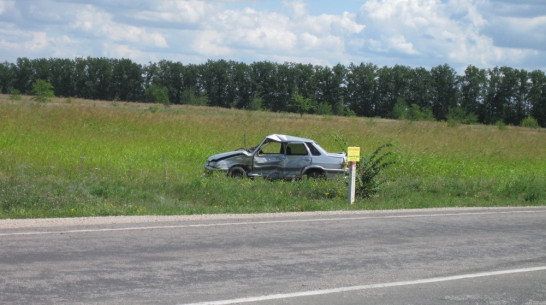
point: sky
(415, 33)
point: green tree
(301, 104)
(420, 88)
(43, 91)
(6, 77)
(242, 92)
(170, 75)
(337, 89)
(511, 94)
(96, 79)
(537, 96)
(263, 75)
(473, 88)
(393, 83)
(362, 90)
(23, 75)
(444, 90)
(157, 94)
(62, 76)
(41, 69)
(126, 80)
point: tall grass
(103, 158)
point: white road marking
(367, 287)
(208, 225)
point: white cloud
(210, 43)
(386, 32)
(101, 25)
(441, 31)
(38, 42)
(458, 32)
(294, 34)
(178, 12)
(399, 43)
(114, 50)
(5, 5)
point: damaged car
(280, 157)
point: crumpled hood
(226, 155)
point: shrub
(157, 94)
(190, 97)
(530, 122)
(15, 95)
(324, 109)
(402, 111)
(256, 103)
(43, 91)
(367, 176)
(457, 115)
(301, 104)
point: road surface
(439, 256)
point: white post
(352, 182)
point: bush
(157, 94)
(256, 103)
(367, 176)
(402, 111)
(457, 115)
(530, 122)
(324, 109)
(43, 91)
(15, 95)
(300, 104)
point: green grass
(86, 158)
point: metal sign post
(353, 156)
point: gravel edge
(86, 221)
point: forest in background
(501, 95)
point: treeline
(487, 96)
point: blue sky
(416, 33)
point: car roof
(287, 138)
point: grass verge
(88, 158)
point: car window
(296, 149)
(313, 149)
(271, 148)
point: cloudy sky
(416, 33)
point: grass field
(73, 157)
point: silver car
(280, 156)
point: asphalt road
(441, 256)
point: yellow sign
(353, 154)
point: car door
(297, 158)
(268, 160)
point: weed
(368, 170)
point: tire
(237, 172)
(316, 174)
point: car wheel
(316, 174)
(237, 172)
